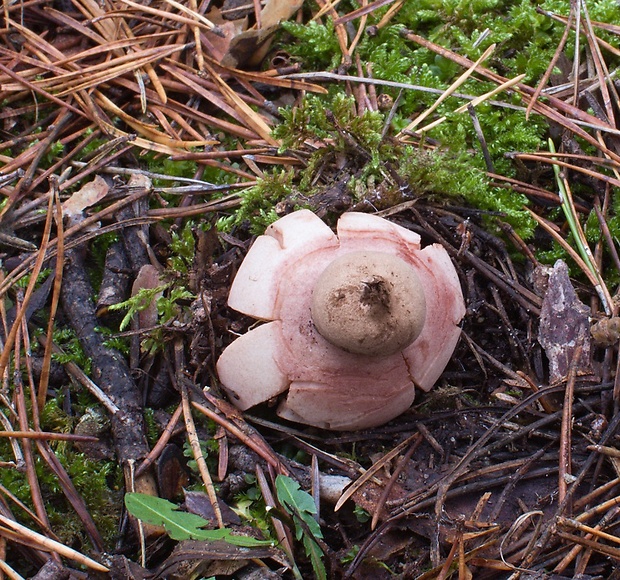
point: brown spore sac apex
(369, 303)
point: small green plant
(141, 301)
(208, 448)
(350, 555)
(300, 506)
(250, 506)
(168, 306)
(361, 514)
(182, 249)
(182, 525)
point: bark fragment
(110, 370)
(564, 325)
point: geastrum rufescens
(356, 320)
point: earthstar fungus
(357, 320)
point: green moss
(319, 118)
(257, 209)
(592, 226)
(594, 235)
(158, 163)
(55, 150)
(54, 419)
(98, 250)
(92, 479)
(436, 176)
(152, 427)
(67, 340)
(316, 44)
(526, 40)
(182, 249)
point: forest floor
(144, 146)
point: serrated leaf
(297, 502)
(182, 525)
(300, 505)
(290, 493)
(160, 512)
(314, 552)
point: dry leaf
(92, 193)
(147, 278)
(242, 46)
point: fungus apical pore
(356, 320)
(369, 303)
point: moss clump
(525, 39)
(439, 175)
(332, 117)
(447, 175)
(316, 45)
(257, 209)
(72, 350)
(93, 480)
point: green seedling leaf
(300, 505)
(297, 503)
(314, 552)
(182, 525)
